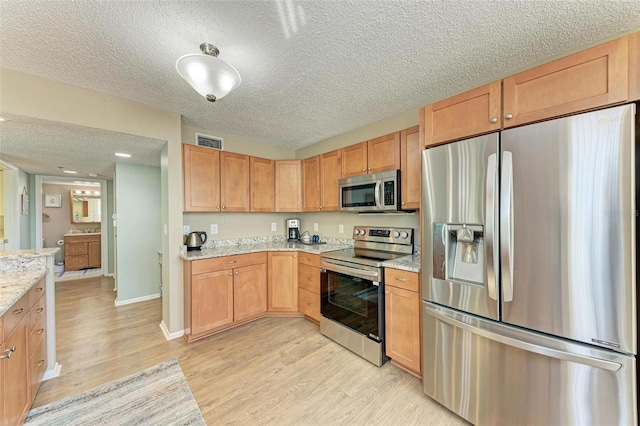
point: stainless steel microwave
(378, 192)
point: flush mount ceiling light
(122, 154)
(211, 77)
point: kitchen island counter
(14, 285)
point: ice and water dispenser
(458, 252)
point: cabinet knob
(39, 310)
(386, 292)
(236, 272)
(217, 207)
(253, 207)
(18, 311)
(294, 256)
(364, 170)
(233, 261)
(8, 352)
(223, 207)
(508, 116)
(493, 119)
(320, 206)
(369, 169)
(40, 331)
(41, 363)
(230, 274)
(39, 289)
(403, 203)
(401, 279)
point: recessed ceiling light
(122, 154)
(71, 172)
(93, 175)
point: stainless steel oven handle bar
(350, 269)
(526, 346)
(490, 214)
(506, 226)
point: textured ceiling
(310, 69)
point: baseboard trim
(136, 300)
(52, 373)
(170, 336)
(111, 275)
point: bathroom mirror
(85, 206)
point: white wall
(25, 220)
(138, 230)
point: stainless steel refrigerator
(529, 278)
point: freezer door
(459, 214)
(493, 374)
(567, 228)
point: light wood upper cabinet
(249, 291)
(95, 253)
(589, 79)
(330, 173)
(234, 182)
(468, 114)
(634, 67)
(212, 296)
(383, 153)
(410, 168)
(288, 186)
(201, 174)
(263, 179)
(283, 282)
(311, 184)
(354, 160)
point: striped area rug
(76, 275)
(159, 395)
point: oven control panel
(383, 235)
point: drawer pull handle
(39, 310)
(38, 289)
(41, 363)
(40, 331)
(401, 279)
(8, 352)
(233, 261)
(18, 311)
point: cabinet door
(288, 186)
(212, 300)
(468, 114)
(283, 282)
(589, 79)
(234, 182)
(309, 303)
(249, 291)
(263, 180)
(383, 153)
(16, 377)
(330, 173)
(74, 263)
(634, 67)
(410, 168)
(201, 178)
(354, 160)
(95, 254)
(311, 184)
(402, 321)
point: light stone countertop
(407, 263)
(81, 234)
(207, 253)
(14, 285)
(29, 253)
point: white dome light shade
(211, 77)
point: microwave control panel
(389, 193)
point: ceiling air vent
(209, 141)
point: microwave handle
(377, 193)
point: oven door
(355, 302)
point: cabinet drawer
(15, 314)
(74, 249)
(402, 279)
(36, 292)
(309, 304)
(37, 313)
(309, 278)
(38, 365)
(309, 259)
(37, 334)
(75, 262)
(226, 262)
(81, 239)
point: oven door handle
(360, 273)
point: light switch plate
(274, 226)
(185, 229)
(166, 229)
(214, 228)
(341, 229)
(315, 227)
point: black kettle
(195, 240)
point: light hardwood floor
(272, 371)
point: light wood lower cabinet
(402, 319)
(223, 292)
(309, 285)
(82, 251)
(24, 331)
(283, 282)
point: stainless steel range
(352, 285)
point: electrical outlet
(341, 229)
(315, 227)
(186, 229)
(166, 229)
(274, 226)
(214, 228)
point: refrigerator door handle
(506, 226)
(526, 346)
(491, 214)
